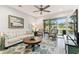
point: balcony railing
(73, 44)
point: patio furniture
(53, 34)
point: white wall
(38, 24)
(5, 11)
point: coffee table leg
(33, 47)
(27, 46)
(38, 45)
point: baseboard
(13, 45)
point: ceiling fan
(42, 9)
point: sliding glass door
(58, 23)
(49, 25)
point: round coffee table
(32, 43)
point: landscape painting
(15, 22)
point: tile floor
(47, 46)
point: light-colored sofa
(12, 38)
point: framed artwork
(15, 22)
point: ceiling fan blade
(35, 11)
(46, 6)
(36, 7)
(46, 11)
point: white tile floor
(60, 49)
(60, 45)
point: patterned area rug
(46, 47)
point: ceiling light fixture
(42, 9)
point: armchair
(53, 34)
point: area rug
(46, 47)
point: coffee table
(32, 43)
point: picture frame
(15, 22)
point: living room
(18, 22)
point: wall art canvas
(15, 22)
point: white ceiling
(28, 9)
